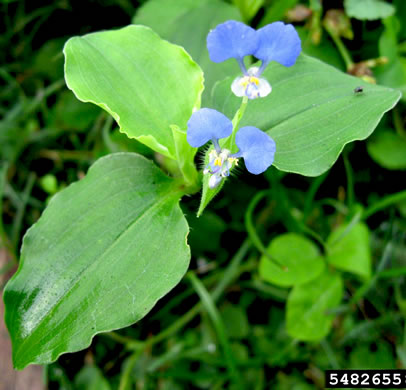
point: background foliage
(237, 320)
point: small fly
(358, 90)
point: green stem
(18, 220)
(350, 180)
(236, 122)
(239, 114)
(211, 309)
(398, 123)
(383, 203)
(252, 233)
(341, 48)
(311, 193)
(4, 240)
(125, 378)
(362, 291)
(330, 354)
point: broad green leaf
(147, 84)
(299, 255)
(102, 254)
(392, 74)
(349, 249)
(187, 23)
(388, 149)
(368, 9)
(306, 316)
(91, 378)
(185, 156)
(312, 113)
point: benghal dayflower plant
(110, 246)
(275, 42)
(255, 147)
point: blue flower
(255, 147)
(275, 42)
(207, 124)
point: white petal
(237, 87)
(264, 88)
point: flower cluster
(255, 147)
(275, 42)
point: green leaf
(248, 8)
(392, 74)
(349, 249)
(91, 378)
(388, 149)
(185, 156)
(368, 9)
(102, 254)
(312, 113)
(299, 255)
(187, 23)
(144, 82)
(307, 305)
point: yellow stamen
(249, 80)
(217, 161)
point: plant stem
(350, 180)
(341, 48)
(311, 193)
(125, 378)
(383, 203)
(398, 123)
(18, 220)
(208, 303)
(252, 233)
(230, 142)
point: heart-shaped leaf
(298, 254)
(306, 315)
(104, 251)
(147, 84)
(350, 250)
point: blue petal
(205, 125)
(231, 39)
(278, 42)
(256, 147)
